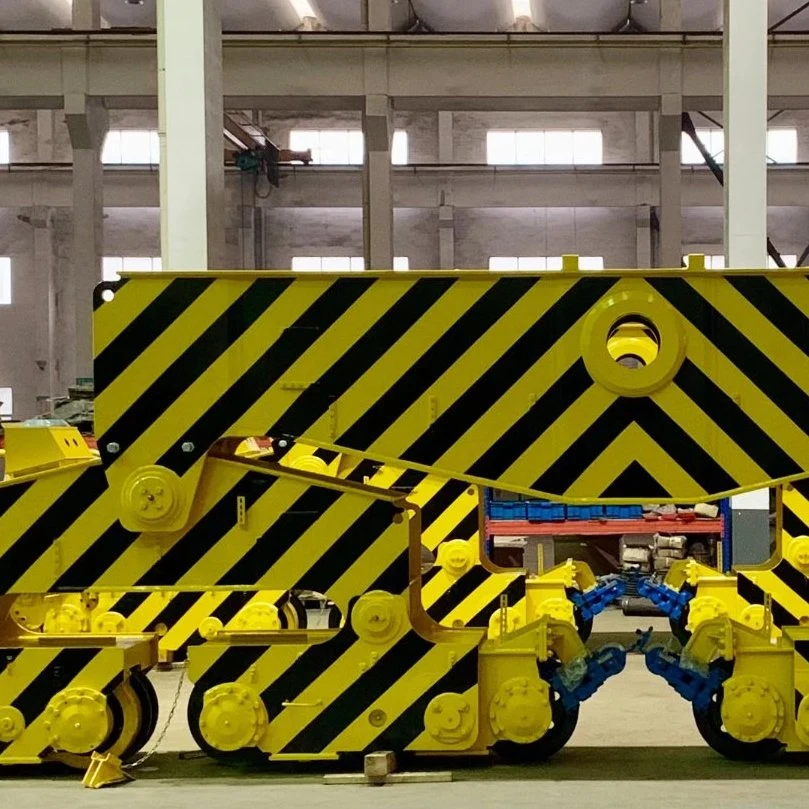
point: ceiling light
(522, 8)
(303, 8)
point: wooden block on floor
(342, 779)
(377, 766)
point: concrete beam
(476, 187)
(451, 72)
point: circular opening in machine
(633, 342)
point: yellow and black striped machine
(492, 379)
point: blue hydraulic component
(595, 600)
(668, 600)
(689, 682)
(581, 678)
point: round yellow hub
(752, 709)
(310, 463)
(209, 627)
(753, 616)
(521, 710)
(560, 609)
(378, 616)
(109, 623)
(66, 619)
(259, 617)
(12, 723)
(449, 718)
(232, 717)
(704, 608)
(455, 556)
(151, 494)
(797, 553)
(77, 720)
(515, 618)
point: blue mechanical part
(595, 600)
(669, 601)
(581, 678)
(690, 683)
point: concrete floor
(635, 744)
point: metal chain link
(162, 735)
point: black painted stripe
(659, 426)
(191, 364)
(209, 530)
(266, 371)
(788, 318)
(458, 592)
(8, 656)
(10, 494)
(467, 528)
(442, 500)
(408, 480)
(225, 612)
(793, 524)
(316, 660)
(176, 607)
(364, 469)
(430, 574)
(514, 593)
(230, 665)
(327, 455)
(753, 594)
(794, 579)
(496, 382)
(146, 328)
(128, 603)
(802, 648)
(361, 356)
(536, 422)
(281, 536)
(97, 558)
(360, 695)
(347, 549)
(57, 675)
(802, 487)
(409, 725)
(395, 577)
(426, 370)
(50, 525)
(786, 394)
(734, 422)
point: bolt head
(113, 448)
(187, 446)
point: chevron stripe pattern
(475, 376)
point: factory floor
(635, 744)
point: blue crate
(623, 512)
(585, 512)
(507, 510)
(545, 511)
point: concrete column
(446, 236)
(377, 197)
(745, 117)
(43, 280)
(246, 225)
(644, 137)
(643, 231)
(192, 172)
(45, 136)
(376, 15)
(669, 136)
(86, 15)
(446, 137)
(87, 124)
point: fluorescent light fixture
(303, 8)
(522, 8)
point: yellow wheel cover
(12, 723)
(449, 718)
(77, 720)
(232, 717)
(520, 711)
(752, 709)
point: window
(718, 262)
(782, 145)
(542, 263)
(343, 147)
(6, 404)
(340, 263)
(5, 147)
(131, 147)
(5, 280)
(544, 147)
(112, 265)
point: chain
(162, 735)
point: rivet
(113, 448)
(187, 446)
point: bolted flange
(151, 495)
(12, 723)
(704, 608)
(232, 717)
(261, 616)
(752, 709)
(77, 720)
(520, 711)
(378, 616)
